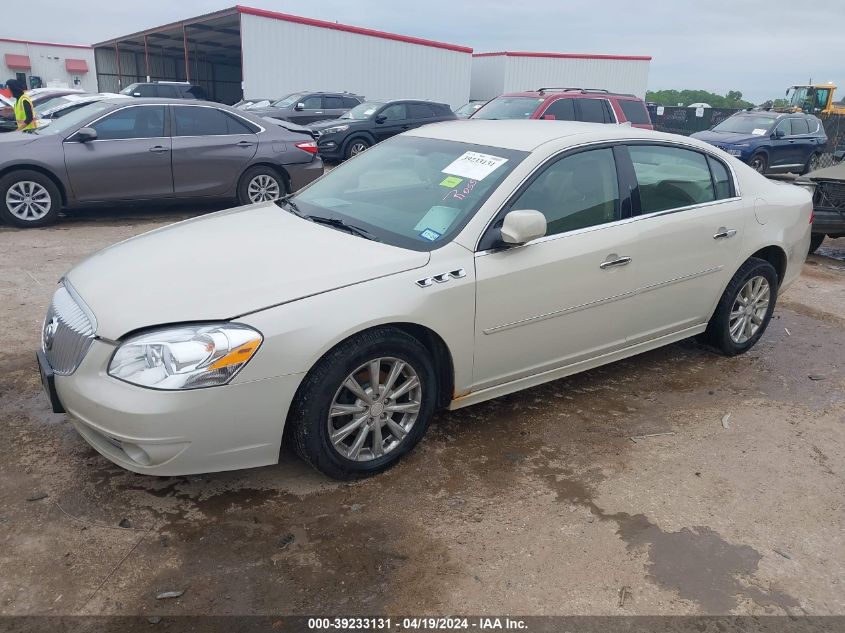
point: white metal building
(497, 73)
(44, 64)
(256, 53)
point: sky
(759, 47)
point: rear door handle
(245, 144)
(159, 149)
(724, 233)
(621, 261)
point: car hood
(225, 265)
(836, 172)
(271, 112)
(326, 123)
(725, 138)
(291, 127)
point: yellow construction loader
(814, 99)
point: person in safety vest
(24, 110)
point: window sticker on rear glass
(474, 165)
(451, 181)
(431, 236)
(758, 131)
(437, 219)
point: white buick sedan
(452, 264)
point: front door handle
(159, 149)
(620, 261)
(724, 233)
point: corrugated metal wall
(281, 57)
(530, 73)
(48, 62)
(488, 77)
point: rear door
(129, 160)
(420, 114)
(691, 227)
(802, 145)
(211, 148)
(782, 151)
(594, 110)
(333, 106)
(395, 121)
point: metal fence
(686, 121)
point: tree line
(733, 99)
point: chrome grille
(67, 333)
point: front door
(211, 148)
(691, 226)
(129, 160)
(565, 297)
(312, 110)
(395, 121)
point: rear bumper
(302, 174)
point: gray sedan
(150, 149)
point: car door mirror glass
(779, 133)
(381, 118)
(520, 227)
(299, 106)
(85, 134)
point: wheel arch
(279, 169)
(364, 134)
(42, 170)
(776, 256)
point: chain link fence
(686, 121)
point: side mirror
(85, 134)
(381, 118)
(299, 106)
(779, 133)
(523, 226)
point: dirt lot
(537, 503)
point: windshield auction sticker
(758, 131)
(474, 165)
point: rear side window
(197, 92)
(333, 103)
(198, 121)
(671, 177)
(350, 102)
(594, 111)
(635, 112)
(561, 110)
(721, 179)
(420, 111)
(799, 126)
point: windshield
(284, 102)
(411, 192)
(469, 108)
(746, 124)
(363, 111)
(255, 105)
(73, 119)
(52, 103)
(509, 108)
(129, 89)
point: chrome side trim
(598, 302)
(442, 278)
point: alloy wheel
(28, 201)
(263, 188)
(749, 309)
(356, 148)
(758, 164)
(374, 409)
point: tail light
(307, 146)
(812, 215)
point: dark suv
(307, 107)
(166, 90)
(374, 121)
(592, 105)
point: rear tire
(260, 184)
(816, 240)
(374, 415)
(812, 164)
(745, 309)
(759, 163)
(29, 199)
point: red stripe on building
(640, 58)
(85, 46)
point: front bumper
(169, 433)
(828, 222)
(330, 147)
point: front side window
(312, 103)
(561, 110)
(410, 192)
(132, 122)
(575, 192)
(671, 177)
(395, 112)
(203, 121)
(509, 108)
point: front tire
(745, 309)
(29, 199)
(260, 184)
(759, 163)
(356, 146)
(365, 404)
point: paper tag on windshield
(474, 165)
(438, 219)
(431, 236)
(758, 132)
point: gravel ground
(536, 503)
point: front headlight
(734, 152)
(335, 129)
(185, 357)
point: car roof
(572, 92)
(527, 135)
